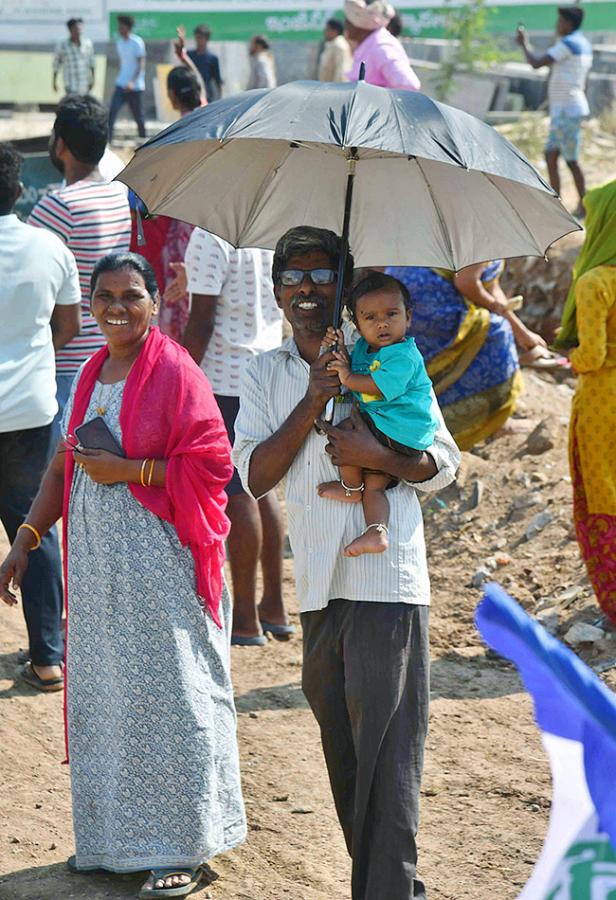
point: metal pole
(344, 244)
(342, 262)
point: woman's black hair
(116, 262)
(377, 281)
(185, 86)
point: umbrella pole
(344, 245)
(342, 262)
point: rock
(541, 439)
(567, 597)
(502, 559)
(490, 564)
(302, 810)
(523, 501)
(280, 798)
(538, 523)
(549, 619)
(583, 633)
(605, 665)
(476, 494)
(480, 577)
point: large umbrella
(406, 180)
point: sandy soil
(486, 789)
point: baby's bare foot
(373, 540)
(333, 490)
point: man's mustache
(311, 298)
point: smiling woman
(144, 551)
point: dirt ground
(486, 790)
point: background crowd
(79, 297)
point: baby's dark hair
(377, 281)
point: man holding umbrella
(365, 621)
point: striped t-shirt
(93, 219)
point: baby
(387, 375)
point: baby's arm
(341, 363)
(360, 384)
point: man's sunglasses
(294, 277)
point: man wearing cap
(387, 64)
(570, 59)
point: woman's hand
(102, 467)
(13, 570)
(178, 287)
(527, 339)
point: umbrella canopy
(433, 186)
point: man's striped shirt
(93, 219)
(272, 386)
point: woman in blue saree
(467, 334)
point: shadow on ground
(284, 696)
(55, 882)
(456, 677)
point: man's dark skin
(271, 460)
(537, 61)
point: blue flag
(576, 713)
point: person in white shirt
(262, 65)
(233, 318)
(336, 57)
(364, 619)
(570, 59)
(40, 311)
(130, 82)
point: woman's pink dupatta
(169, 412)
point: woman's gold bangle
(151, 472)
(34, 532)
(142, 472)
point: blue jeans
(64, 384)
(134, 99)
(23, 460)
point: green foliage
(473, 47)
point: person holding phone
(570, 61)
(150, 715)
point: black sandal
(181, 890)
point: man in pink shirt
(387, 64)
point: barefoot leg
(376, 512)
(334, 490)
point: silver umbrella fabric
(433, 186)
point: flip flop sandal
(255, 640)
(41, 684)
(182, 890)
(548, 361)
(278, 632)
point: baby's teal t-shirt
(404, 410)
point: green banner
(307, 25)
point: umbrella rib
(439, 214)
(542, 252)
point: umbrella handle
(328, 415)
